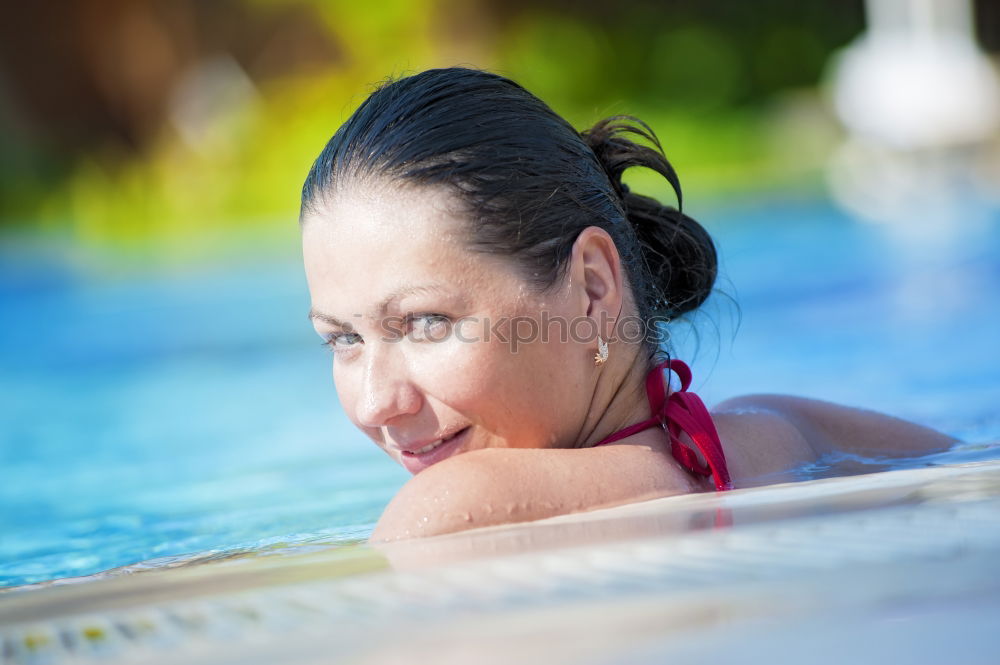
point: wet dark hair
(531, 182)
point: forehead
(368, 241)
(384, 228)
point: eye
(341, 341)
(428, 327)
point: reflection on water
(837, 464)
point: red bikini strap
(682, 411)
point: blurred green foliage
(729, 87)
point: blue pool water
(152, 413)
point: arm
(499, 486)
(832, 427)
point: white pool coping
(901, 566)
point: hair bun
(616, 153)
(677, 251)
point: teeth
(429, 447)
(434, 444)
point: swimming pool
(155, 414)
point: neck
(619, 397)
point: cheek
(342, 386)
(455, 373)
(348, 390)
(520, 397)
(541, 377)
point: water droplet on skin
(425, 519)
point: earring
(602, 351)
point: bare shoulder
(500, 485)
(759, 440)
(826, 426)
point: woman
(496, 302)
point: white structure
(920, 103)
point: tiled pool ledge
(867, 568)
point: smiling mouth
(434, 444)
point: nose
(387, 391)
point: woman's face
(438, 350)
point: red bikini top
(682, 411)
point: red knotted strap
(682, 411)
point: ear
(596, 271)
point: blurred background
(162, 392)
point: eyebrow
(382, 306)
